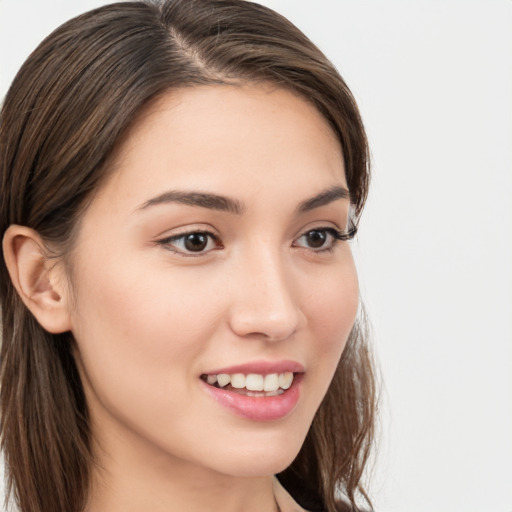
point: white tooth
(238, 380)
(271, 382)
(285, 380)
(223, 379)
(254, 382)
(211, 379)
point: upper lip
(261, 367)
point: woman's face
(212, 249)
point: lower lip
(259, 408)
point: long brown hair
(63, 116)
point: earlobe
(35, 278)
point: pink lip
(263, 408)
(261, 367)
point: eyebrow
(323, 198)
(227, 204)
(202, 199)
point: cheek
(122, 305)
(334, 303)
(332, 312)
(138, 334)
(139, 342)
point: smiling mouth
(252, 384)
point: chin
(261, 457)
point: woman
(179, 186)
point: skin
(150, 318)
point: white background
(434, 83)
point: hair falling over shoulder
(64, 115)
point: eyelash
(336, 235)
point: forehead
(229, 138)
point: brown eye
(320, 239)
(316, 238)
(195, 242)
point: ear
(39, 282)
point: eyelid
(185, 229)
(341, 234)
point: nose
(264, 301)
